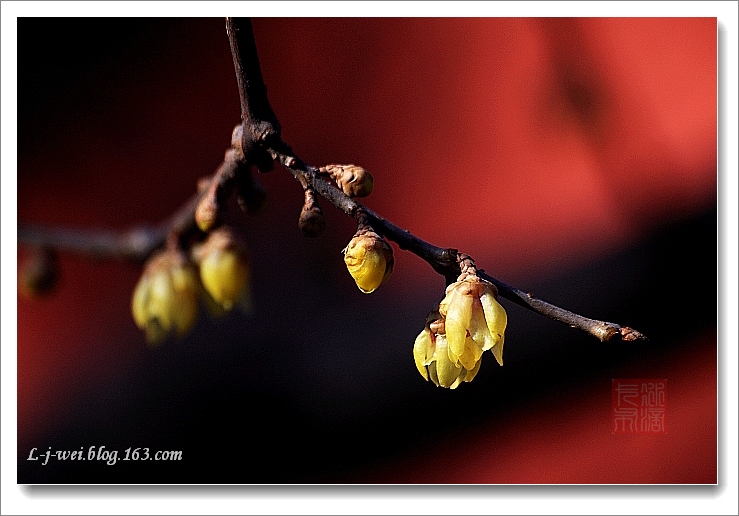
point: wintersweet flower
(165, 298)
(468, 322)
(369, 260)
(431, 354)
(474, 320)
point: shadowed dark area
(227, 396)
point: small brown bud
(206, 213)
(311, 222)
(204, 183)
(236, 135)
(39, 274)
(353, 180)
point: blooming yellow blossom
(468, 322)
(165, 298)
(369, 260)
(475, 321)
(431, 354)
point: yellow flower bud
(369, 260)
(224, 268)
(165, 298)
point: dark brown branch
(261, 143)
(258, 121)
(136, 244)
(604, 331)
(442, 260)
(133, 245)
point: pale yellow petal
(420, 349)
(161, 300)
(432, 373)
(460, 378)
(495, 315)
(479, 330)
(459, 312)
(472, 354)
(445, 369)
(140, 303)
(498, 350)
(471, 373)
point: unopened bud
(353, 180)
(224, 268)
(165, 299)
(236, 134)
(311, 222)
(369, 260)
(206, 212)
(39, 274)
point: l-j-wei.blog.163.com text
(100, 453)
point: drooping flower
(369, 259)
(475, 321)
(224, 268)
(468, 322)
(164, 301)
(431, 354)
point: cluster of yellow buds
(468, 321)
(369, 259)
(165, 300)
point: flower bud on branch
(224, 268)
(369, 259)
(353, 180)
(165, 299)
(311, 222)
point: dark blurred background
(573, 158)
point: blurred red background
(574, 158)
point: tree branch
(261, 145)
(259, 123)
(442, 260)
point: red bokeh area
(576, 157)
